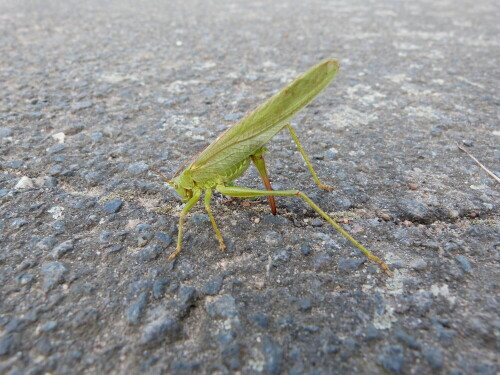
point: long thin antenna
(478, 163)
(182, 167)
(161, 175)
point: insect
(229, 156)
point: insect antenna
(181, 167)
(161, 175)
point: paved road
(94, 93)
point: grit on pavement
(94, 93)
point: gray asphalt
(95, 93)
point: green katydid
(229, 156)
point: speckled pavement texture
(94, 93)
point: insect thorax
(231, 174)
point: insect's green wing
(254, 131)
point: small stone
(273, 220)
(86, 318)
(58, 158)
(61, 249)
(96, 137)
(24, 183)
(55, 170)
(164, 330)
(138, 168)
(213, 286)
(322, 262)
(139, 287)
(150, 253)
(226, 336)
(418, 265)
(6, 132)
(436, 131)
(412, 186)
(222, 307)
(35, 115)
(113, 249)
(187, 296)
(332, 154)
(305, 304)
(371, 333)
(282, 255)
(54, 273)
(81, 105)
(187, 368)
(231, 356)
(200, 219)
(159, 288)
(111, 131)
(15, 164)
(164, 238)
(350, 264)
(433, 245)
(272, 354)
(142, 227)
(464, 263)
(468, 142)
(82, 288)
(93, 178)
(384, 216)
(73, 129)
(393, 359)
(305, 249)
(58, 226)
(25, 279)
(18, 223)
(415, 211)
(143, 239)
(486, 368)
(406, 339)
(15, 325)
(46, 243)
(50, 182)
(8, 344)
(434, 356)
(49, 326)
(260, 319)
(59, 137)
(135, 312)
(317, 222)
(273, 238)
(56, 149)
(113, 206)
(234, 116)
(105, 236)
(45, 347)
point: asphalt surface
(95, 93)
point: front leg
(208, 196)
(190, 203)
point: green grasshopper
(229, 156)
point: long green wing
(255, 130)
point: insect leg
(260, 164)
(190, 203)
(235, 191)
(208, 196)
(309, 165)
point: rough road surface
(93, 93)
